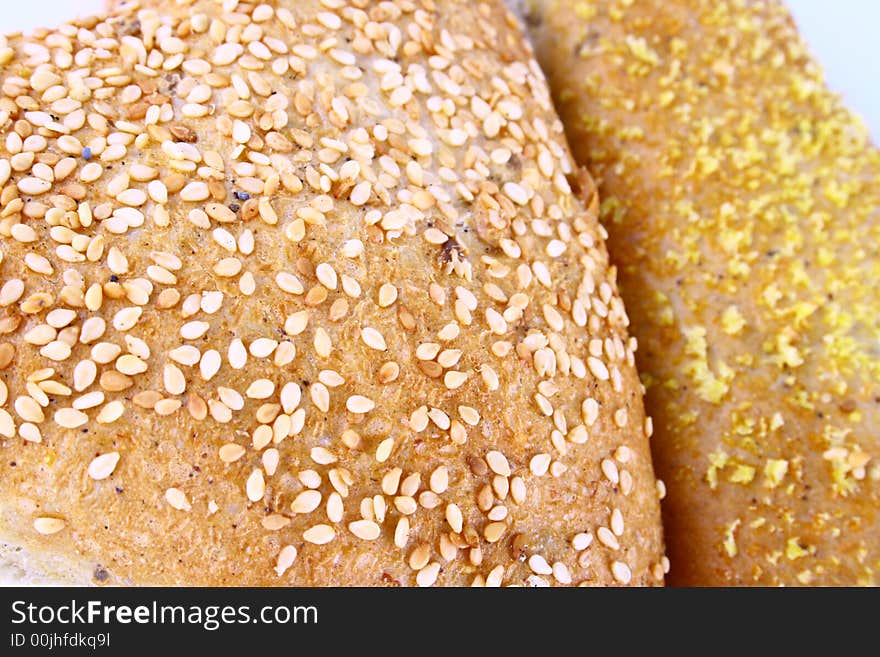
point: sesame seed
(469, 415)
(539, 565)
(260, 389)
(439, 418)
(38, 264)
(609, 469)
(335, 509)
(598, 368)
(322, 456)
(555, 248)
(289, 283)
(7, 424)
(365, 529)
(110, 412)
(60, 317)
(427, 351)
(590, 411)
(561, 573)
(330, 378)
(661, 489)
(498, 463)
(29, 410)
(237, 354)
(383, 451)
(496, 322)
(30, 432)
(195, 191)
(132, 197)
(255, 486)
(497, 512)
(271, 459)
(47, 526)
(401, 532)
(326, 275)
(373, 339)
(173, 379)
(12, 291)
(319, 534)
(130, 365)
(454, 517)
(177, 499)
(539, 464)
(286, 557)
(427, 576)
(449, 332)
(33, 186)
(621, 572)
(296, 323)
(578, 435)
(209, 364)
(420, 556)
(518, 490)
(607, 538)
(360, 194)
(103, 466)
(322, 343)
(274, 522)
(454, 380)
(359, 404)
(228, 267)
(435, 236)
(495, 577)
(241, 132)
(494, 531)
(617, 522)
(56, 350)
(350, 286)
(553, 318)
(291, 395)
(329, 20)
(439, 480)
(166, 407)
(224, 239)
(306, 502)
(626, 482)
(581, 541)
(623, 454)
(231, 452)
(70, 418)
(126, 318)
(320, 396)
(284, 354)
(516, 193)
(194, 330)
(230, 398)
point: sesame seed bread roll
(300, 294)
(743, 205)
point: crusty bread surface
(308, 293)
(743, 205)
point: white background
(842, 33)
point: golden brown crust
(445, 314)
(742, 203)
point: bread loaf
(743, 205)
(299, 293)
